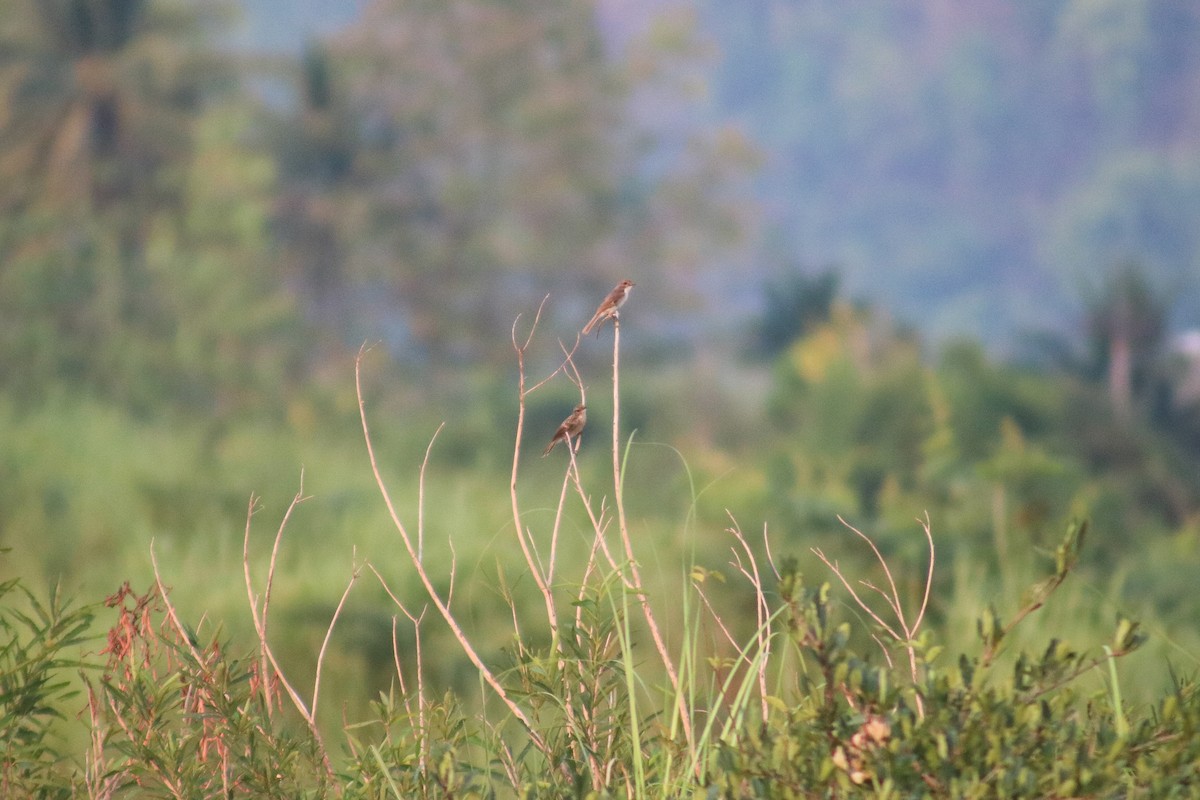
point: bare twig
(573, 448)
(761, 608)
(544, 572)
(426, 582)
(422, 727)
(524, 538)
(337, 612)
(259, 617)
(770, 556)
(421, 494)
(906, 635)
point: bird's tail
(595, 322)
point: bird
(570, 429)
(611, 305)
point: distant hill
(977, 167)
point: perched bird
(570, 429)
(608, 309)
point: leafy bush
(798, 713)
(37, 641)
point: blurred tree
(132, 259)
(453, 162)
(795, 304)
(851, 396)
(487, 144)
(316, 146)
(983, 396)
(99, 98)
(1137, 205)
(1125, 325)
(231, 338)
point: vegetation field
(284, 339)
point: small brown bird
(611, 305)
(570, 429)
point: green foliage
(864, 425)
(172, 713)
(968, 729)
(134, 231)
(39, 653)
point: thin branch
(426, 582)
(770, 556)
(259, 617)
(896, 606)
(422, 727)
(287, 515)
(524, 538)
(329, 635)
(907, 640)
(837, 570)
(421, 493)
(762, 611)
(728, 634)
(925, 525)
(182, 632)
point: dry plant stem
(558, 512)
(422, 728)
(259, 617)
(440, 604)
(507, 760)
(523, 536)
(761, 609)
(599, 526)
(396, 661)
(618, 499)
(287, 515)
(543, 574)
(175, 623)
(102, 782)
(907, 632)
(581, 728)
(590, 568)
(421, 494)
(716, 617)
(329, 635)
(572, 448)
(183, 636)
(618, 493)
(770, 555)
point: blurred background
(892, 258)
